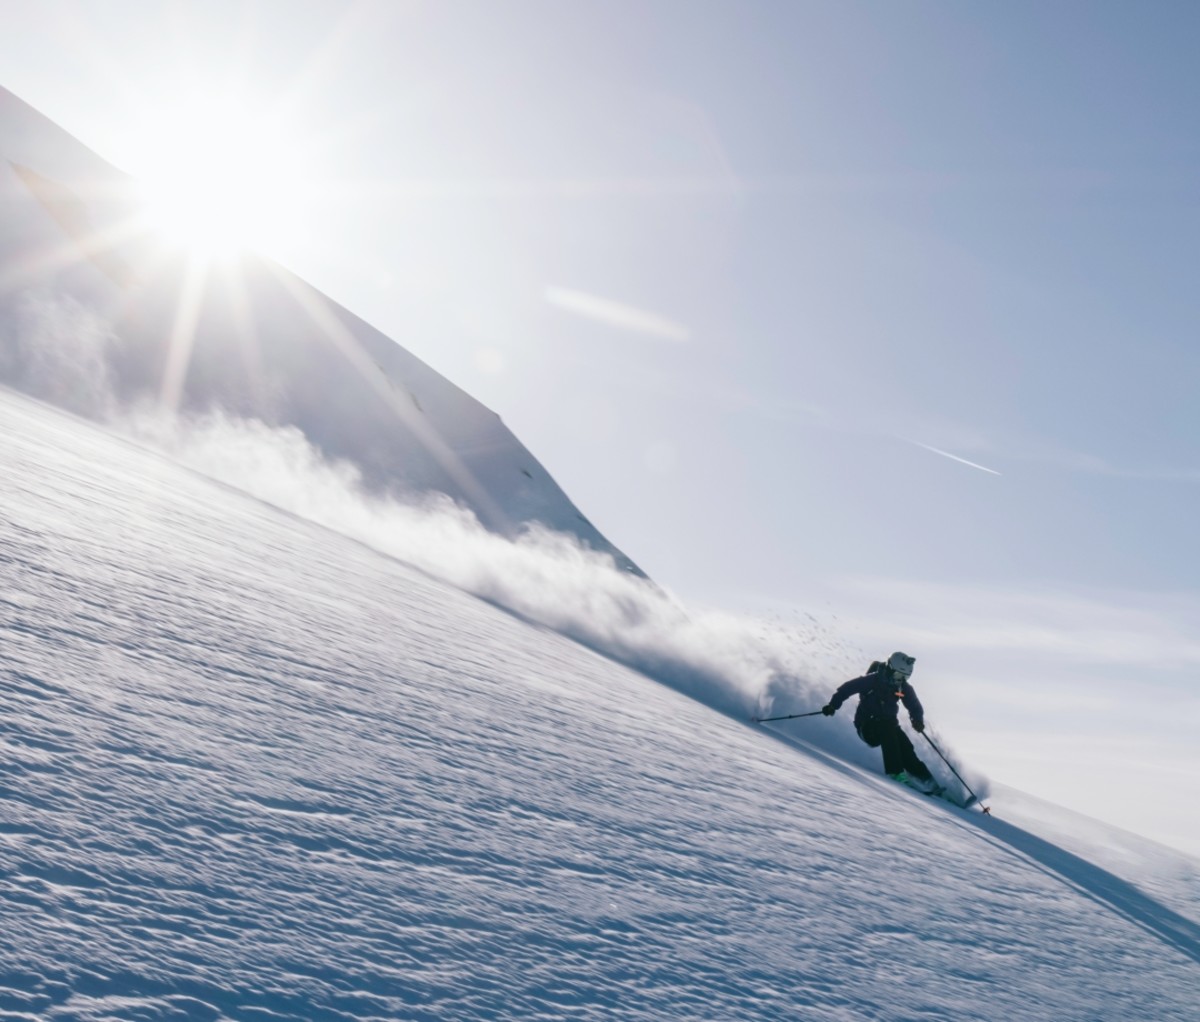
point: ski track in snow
(252, 770)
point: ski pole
(957, 774)
(790, 716)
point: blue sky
(738, 272)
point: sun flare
(218, 178)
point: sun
(219, 177)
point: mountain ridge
(252, 340)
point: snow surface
(253, 768)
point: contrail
(954, 457)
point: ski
(967, 803)
(943, 794)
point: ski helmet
(902, 664)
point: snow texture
(254, 769)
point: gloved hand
(919, 726)
(828, 709)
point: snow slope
(254, 769)
(98, 316)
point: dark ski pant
(898, 752)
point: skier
(880, 692)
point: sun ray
(236, 288)
(345, 342)
(322, 65)
(183, 334)
(61, 256)
(82, 241)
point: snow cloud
(738, 665)
(55, 349)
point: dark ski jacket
(880, 694)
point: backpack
(873, 703)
